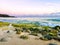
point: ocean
(45, 21)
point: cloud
(28, 6)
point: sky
(26, 7)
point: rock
(5, 39)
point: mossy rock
(52, 44)
(35, 34)
(42, 38)
(3, 40)
(24, 37)
(18, 32)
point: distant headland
(5, 15)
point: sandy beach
(15, 40)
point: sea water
(45, 21)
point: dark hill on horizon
(5, 15)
